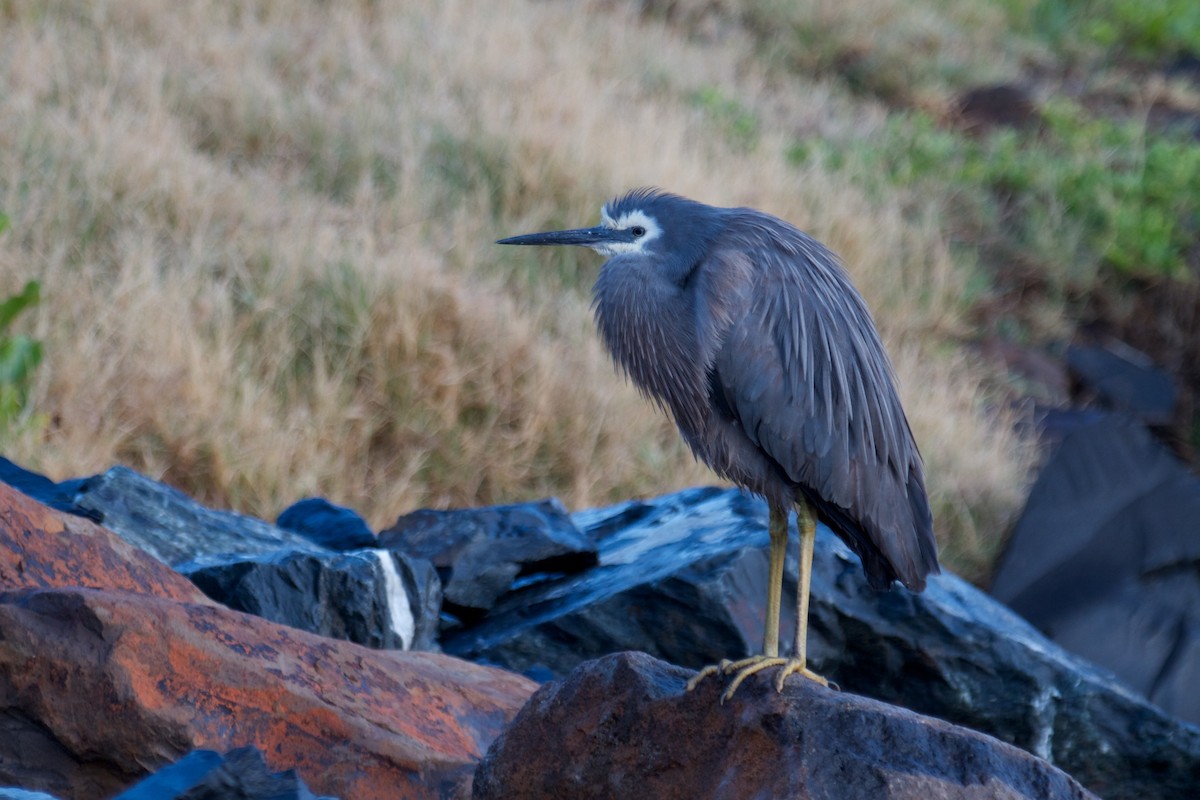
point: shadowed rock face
(378, 598)
(1105, 560)
(623, 726)
(240, 774)
(481, 552)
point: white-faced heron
(751, 335)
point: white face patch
(628, 221)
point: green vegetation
(1078, 193)
(1144, 29)
(19, 354)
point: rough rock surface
(1105, 560)
(480, 552)
(623, 726)
(42, 548)
(240, 774)
(170, 525)
(376, 598)
(97, 688)
(680, 577)
(684, 572)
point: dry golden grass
(264, 235)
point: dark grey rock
(326, 524)
(376, 598)
(687, 568)
(240, 774)
(1119, 378)
(676, 580)
(1105, 560)
(623, 726)
(481, 553)
(170, 525)
(60, 496)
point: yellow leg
(797, 664)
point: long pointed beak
(586, 237)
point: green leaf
(14, 305)
(19, 355)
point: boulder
(240, 774)
(326, 524)
(623, 726)
(377, 598)
(683, 576)
(1105, 560)
(171, 526)
(97, 688)
(59, 496)
(42, 548)
(1114, 376)
(480, 553)
(680, 577)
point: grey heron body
(749, 333)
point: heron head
(642, 222)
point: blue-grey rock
(60, 496)
(1105, 560)
(376, 598)
(326, 524)
(1119, 378)
(240, 774)
(682, 577)
(12, 793)
(170, 525)
(482, 553)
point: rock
(1105, 560)
(623, 726)
(240, 774)
(481, 552)
(676, 579)
(59, 496)
(997, 106)
(376, 598)
(12, 793)
(684, 566)
(43, 548)
(170, 525)
(327, 525)
(99, 687)
(1119, 378)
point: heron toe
(743, 669)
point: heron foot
(743, 669)
(711, 669)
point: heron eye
(638, 231)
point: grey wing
(806, 375)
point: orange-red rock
(99, 687)
(41, 547)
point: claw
(711, 669)
(743, 669)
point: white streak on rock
(400, 616)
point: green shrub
(19, 355)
